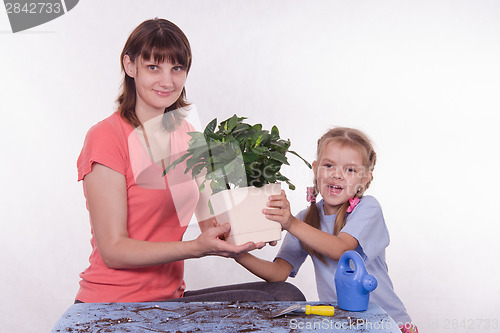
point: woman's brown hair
(345, 137)
(159, 40)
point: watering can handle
(360, 270)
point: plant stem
(226, 180)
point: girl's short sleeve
(103, 144)
(366, 223)
(292, 251)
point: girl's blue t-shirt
(365, 223)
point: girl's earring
(360, 190)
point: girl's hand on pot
(279, 210)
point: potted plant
(242, 164)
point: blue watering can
(353, 286)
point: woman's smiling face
(339, 173)
(158, 85)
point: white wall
(422, 78)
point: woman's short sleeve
(366, 223)
(104, 144)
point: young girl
(343, 220)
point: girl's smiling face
(339, 173)
(158, 85)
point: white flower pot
(242, 209)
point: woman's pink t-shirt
(158, 210)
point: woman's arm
(106, 194)
(329, 245)
(271, 271)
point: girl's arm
(329, 245)
(271, 271)
(106, 194)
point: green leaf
(279, 147)
(240, 129)
(253, 169)
(211, 127)
(259, 150)
(270, 176)
(210, 207)
(281, 177)
(259, 137)
(197, 169)
(258, 140)
(229, 124)
(218, 185)
(230, 167)
(213, 136)
(275, 132)
(202, 185)
(257, 127)
(307, 163)
(249, 157)
(190, 163)
(279, 157)
(175, 163)
(227, 155)
(233, 121)
(245, 139)
(196, 136)
(201, 152)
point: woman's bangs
(162, 49)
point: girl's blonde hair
(345, 137)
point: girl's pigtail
(312, 218)
(341, 218)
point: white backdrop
(422, 78)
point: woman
(138, 216)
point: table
(216, 317)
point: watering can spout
(353, 286)
(369, 282)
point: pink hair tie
(311, 197)
(353, 202)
